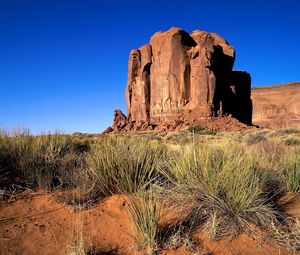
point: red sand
(39, 224)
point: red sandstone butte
(179, 79)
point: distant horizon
(64, 63)
(57, 130)
(277, 84)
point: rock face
(179, 74)
(277, 106)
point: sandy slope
(39, 224)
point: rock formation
(184, 78)
(277, 106)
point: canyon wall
(277, 106)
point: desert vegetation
(175, 185)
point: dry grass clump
(254, 138)
(291, 172)
(216, 183)
(292, 141)
(284, 161)
(125, 165)
(47, 160)
(288, 235)
(197, 129)
(145, 211)
(285, 132)
(221, 188)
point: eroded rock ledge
(277, 106)
(180, 79)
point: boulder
(120, 120)
(108, 130)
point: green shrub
(197, 129)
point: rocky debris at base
(180, 123)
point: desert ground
(198, 191)
(189, 120)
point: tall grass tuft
(125, 165)
(47, 160)
(77, 247)
(291, 172)
(221, 188)
(145, 211)
(292, 141)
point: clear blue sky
(63, 63)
